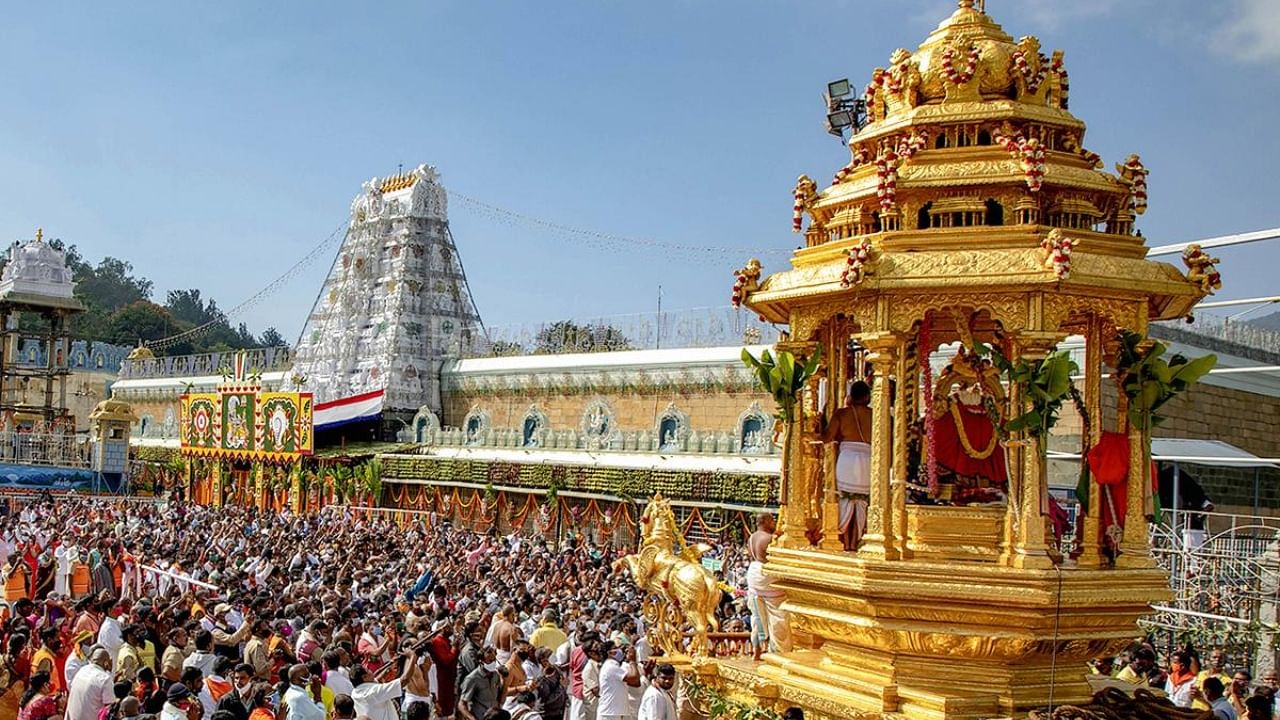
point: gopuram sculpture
(971, 214)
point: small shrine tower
(36, 299)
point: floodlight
(840, 119)
(839, 88)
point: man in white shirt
(377, 700)
(303, 695)
(617, 673)
(336, 677)
(92, 688)
(658, 703)
(111, 634)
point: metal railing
(55, 449)
(1225, 573)
(694, 327)
(259, 359)
(710, 442)
(1243, 334)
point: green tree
(141, 320)
(566, 336)
(272, 338)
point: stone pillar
(1089, 527)
(878, 540)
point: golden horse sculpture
(681, 593)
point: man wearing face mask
(239, 702)
(617, 673)
(111, 634)
(482, 690)
(303, 695)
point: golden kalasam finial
(39, 234)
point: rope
(257, 297)
(1114, 704)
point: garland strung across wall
(636, 482)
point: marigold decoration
(1028, 152)
(805, 193)
(887, 175)
(960, 77)
(1134, 174)
(746, 280)
(855, 269)
(1202, 268)
(1033, 79)
(1057, 253)
(874, 94)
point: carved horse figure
(667, 566)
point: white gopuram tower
(395, 303)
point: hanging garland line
(596, 239)
(270, 289)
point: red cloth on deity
(979, 431)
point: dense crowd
(117, 611)
(1210, 684)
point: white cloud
(1251, 32)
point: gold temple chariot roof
(969, 161)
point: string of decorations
(596, 239)
(320, 250)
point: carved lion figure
(1202, 268)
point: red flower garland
(887, 173)
(859, 256)
(957, 77)
(1057, 248)
(1030, 153)
(1033, 80)
(1064, 84)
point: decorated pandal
(969, 214)
(242, 444)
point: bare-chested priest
(851, 428)
(769, 625)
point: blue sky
(213, 144)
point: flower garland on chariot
(1022, 66)
(960, 77)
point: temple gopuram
(970, 216)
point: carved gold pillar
(796, 463)
(878, 540)
(908, 369)
(1090, 525)
(1028, 476)
(837, 348)
(1135, 548)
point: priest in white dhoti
(769, 625)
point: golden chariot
(970, 213)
